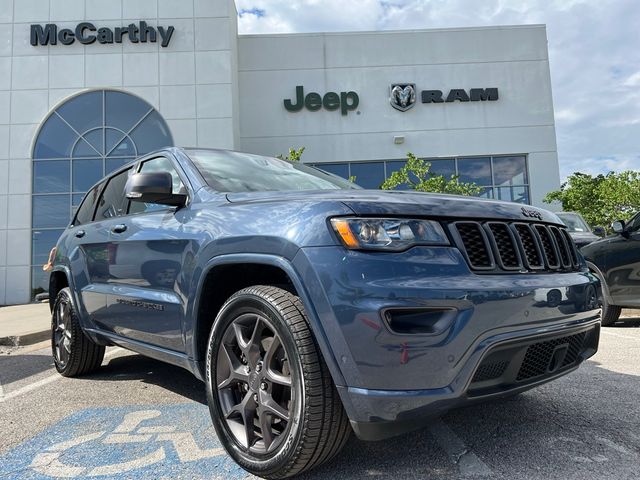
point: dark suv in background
(312, 308)
(616, 261)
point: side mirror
(618, 226)
(599, 231)
(154, 187)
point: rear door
(89, 263)
(623, 266)
(149, 251)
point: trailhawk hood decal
(401, 203)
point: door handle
(80, 233)
(121, 227)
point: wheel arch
(603, 284)
(59, 279)
(265, 270)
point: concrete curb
(26, 339)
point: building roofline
(385, 32)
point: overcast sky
(594, 50)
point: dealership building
(88, 85)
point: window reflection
(501, 177)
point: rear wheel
(73, 352)
(273, 403)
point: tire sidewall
(275, 461)
(64, 295)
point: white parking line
(468, 463)
(44, 381)
(618, 335)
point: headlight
(388, 233)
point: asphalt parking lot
(139, 418)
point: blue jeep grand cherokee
(310, 307)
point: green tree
(293, 156)
(600, 199)
(417, 175)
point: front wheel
(610, 313)
(272, 401)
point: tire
(610, 313)
(73, 352)
(263, 334)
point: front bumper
(393, 379)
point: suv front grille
(515, 246)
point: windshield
(226, 171)
(574, 222)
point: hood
(582, 238)
(403, 203)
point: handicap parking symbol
(166, 441)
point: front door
(623, 266)
(148, 251)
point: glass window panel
(394, 166)
(96, 139)
(513, 194)
(486, 192)
(85, 212)
(51, 211)
(509, 171)
(42, 241)
(86, 173)
(54, 140)
(83, 148)
(151, 134)
(112, 164)
(339, 169)
(83, 112)
(113, 202)
(123, 111)
(445, 167)
(125, 148)
(477, 170)
(39, 281)
(76, 198)
(51, 177)
(368, 174)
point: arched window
(82, 140)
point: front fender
(603, 285)
(274, 261)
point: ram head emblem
(402, 96)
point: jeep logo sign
(345, 101)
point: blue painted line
(157, 441)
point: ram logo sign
(402, 96)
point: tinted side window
(113, 202)
(160, 164)
(634, 223)
(85, 212)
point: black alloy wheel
(254, 383)
(272, 400)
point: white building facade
(88, 85)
